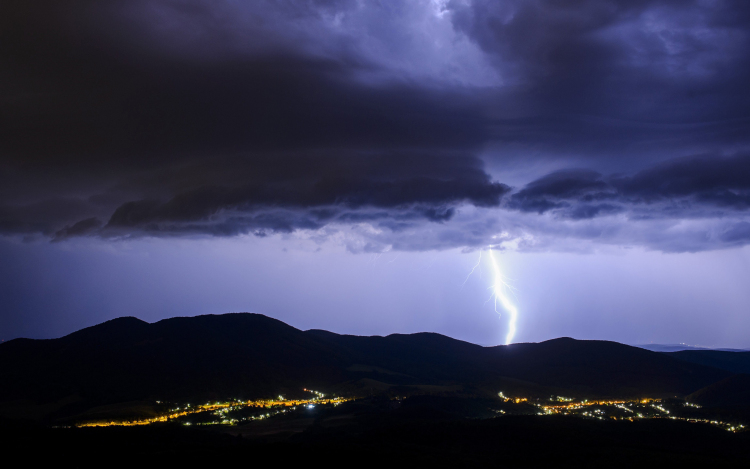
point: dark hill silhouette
(736, 362)
(602, 368)
(730, 392)
(127, 359)
(250, 355)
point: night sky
(342, 165)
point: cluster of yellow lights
(517, 400)
(570, 404)
(218, 406)
(581, 404)
(563, 405)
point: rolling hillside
(249, 356)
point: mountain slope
(735, 362)
(129, 359)
(602, 368)
(250, 355)
(733, 391)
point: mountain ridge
(252, 355)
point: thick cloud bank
(283, 194)
(693, 187)
(388, 125)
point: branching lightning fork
(479, 261)
(499, 288)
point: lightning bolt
(473, 269)
(498, 294)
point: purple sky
(341, 164)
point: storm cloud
(284, 194)
(688, 187)
(396, 123)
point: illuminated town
(238, 412)
(230, 412)
(631, 410)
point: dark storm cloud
(43, 216)
(670, 57)
(79, 93)
(322, 189)
(556, 190)
(177, 117)
(80, 228)
(617, 79)
(158, 126)
(685, 187)
(717, 181)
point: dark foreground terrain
(244, 389)
(250, 356)
(416, 432)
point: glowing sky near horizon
(627, 295)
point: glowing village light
(499, 286)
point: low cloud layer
(693, 187)
(285, 194)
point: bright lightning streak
(498, 292)
(473, 269)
